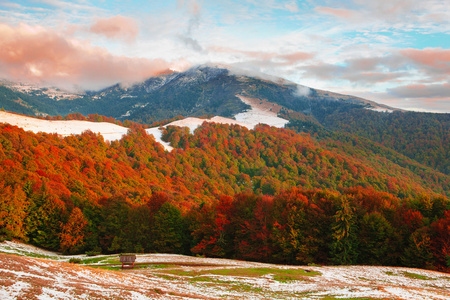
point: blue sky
(395, 52)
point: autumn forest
(269, 194)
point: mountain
(203, 90)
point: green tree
(418, 253)
(377, 240)
(344, 244)
(168, 233)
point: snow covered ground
(109, 131)
(192, 124)
(170, 276)
(261, 112)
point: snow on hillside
(109, 131)
(157, 134)
(192, 124)
(380, 109)
(261, 112)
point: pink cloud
(336, 12)
(436, 91)
(289, 58)
(40, 55)
(117, 27)
(432, 57)
(297, 56)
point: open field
(30, 273)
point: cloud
(41, 55)
(340, 13)
(193, 9)
(422, 91)
(436, 58)
(302, 91)
(403, 15)
(117, 27)
(275, 57)
(324, 71)
(297, 56)
(292, 7)
(365, 70)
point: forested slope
(424, 137)
(225, 191)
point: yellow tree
(13, 210)
(72, 234)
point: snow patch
(157, 134)
(109, 131)
(380, 109)
(259, 115)
(192, 124)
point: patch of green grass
(28, 254)
(246, 288)
(93, 260)
(282, 275)
(167, 277)
(363, 278)
(112, 260)
(212, 280)
(105, 267)
(391, 273)
(416, 276)
(74, 260)
(163, 266)
(314, 265)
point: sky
(395, 52)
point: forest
(267, 194)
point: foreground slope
(168, 276)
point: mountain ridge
(190, 80)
